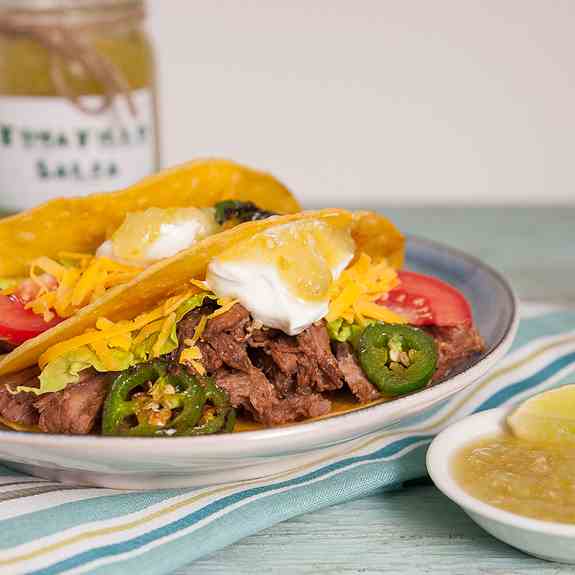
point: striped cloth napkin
(47, 528)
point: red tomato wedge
(17, 324)
(425, 300)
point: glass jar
(77, 99)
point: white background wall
(376, 102)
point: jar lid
(66, 4)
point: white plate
(149, 463)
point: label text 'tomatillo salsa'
(77, 99)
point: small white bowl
(543, 539)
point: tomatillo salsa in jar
(77, 99)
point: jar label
(49, 148)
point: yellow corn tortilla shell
(82, 224)
(172, 276)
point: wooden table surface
(417, 530)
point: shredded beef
(286, 361)
(19, 407)
(76, 408)
(222, 342)
(299, 407)
(359, 385)
(261, 337)
(314, 344)
(264, 381)
(234, 319)
(230, 351)
(237, 384)
(187, 325)
(272, 376)
(283, 382)
(307, 358)
(262, 397)
(283, 350)
(454, 344)
(308, 375)
(210, 358)
(253, 392)
(279, 378)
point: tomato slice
(17, 324)
(425, 300)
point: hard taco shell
(373, 234)
(82, 224)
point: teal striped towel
(48, 528)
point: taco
(67, 253)
(268, 321)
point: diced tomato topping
(426, 300)
(18, 324)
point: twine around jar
(64, 38)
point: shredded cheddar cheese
(71, 287)
(226, 304)
(49, 266)
(352, 296)
(365, 308)
(123, 341)
(121, 334)
(148, 331)
(173, 303)
(192, 356)
(198, 331)
(102, 350)
(203, 285)
(164, 334)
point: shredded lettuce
(192, 303)
(341, 330)
(10, 282)
(143, 351)
(65, 370)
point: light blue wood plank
(415, 531)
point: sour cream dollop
(148, 236)
(282, 276)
